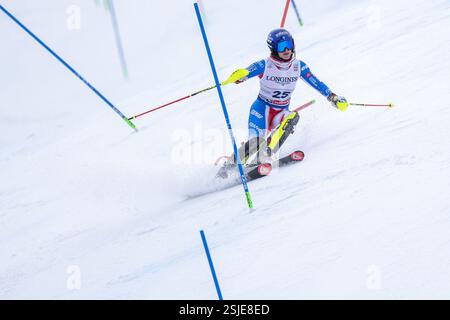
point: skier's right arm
(253, 70)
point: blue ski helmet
(278, 40)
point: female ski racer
(270, 121)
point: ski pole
(389, 105)
(238, 74)
(172, 102)
(304, 106)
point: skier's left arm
(337, 101)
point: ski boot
(245, 151)
(279, 136)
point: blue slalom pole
(224, 107)
(118, 39)
(296, 12)
(70, 68)
(211, 265)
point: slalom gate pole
(115, 24)
(297, 14)
(69, 67)
(286, 8)
(224, 107)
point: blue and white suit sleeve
(311, 79)
(256, 68)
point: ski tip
(297, 156)
(264, 169)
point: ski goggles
(285, 44)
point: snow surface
(366, 215)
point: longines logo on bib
(282, 80)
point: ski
(252, 171)
(227, 176)
(259, 171)
(256, 171)
(265, 169)
(293, 157)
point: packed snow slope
(89, 209)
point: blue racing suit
(265, 116)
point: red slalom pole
(306, 105)
(286, 8)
